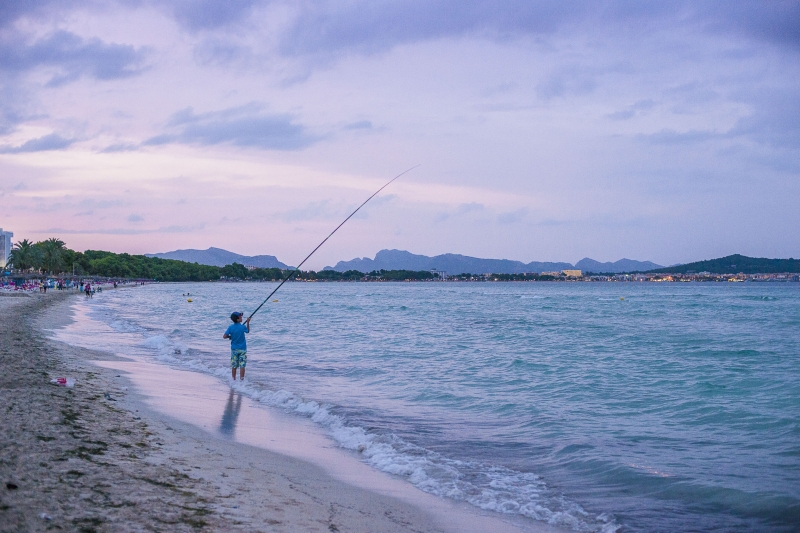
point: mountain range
(623, 265)
(219, 257)
(403, 260)
(458, 264)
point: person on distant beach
(88, 290)
(236, 333)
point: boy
(236, 333)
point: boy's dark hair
(235, 316)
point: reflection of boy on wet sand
(236, 333)
(231, 414)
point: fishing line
(297, 268)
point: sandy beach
(116, 454)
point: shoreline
(111, 461)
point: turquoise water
(676, 408)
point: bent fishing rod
(297, 268)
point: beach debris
(45, 516)
(108, 397)
(361, 448)
(65, 382)
(177, 351)
(11, 486)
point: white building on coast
(5, 247)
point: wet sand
(141, 447)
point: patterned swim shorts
(238, 358)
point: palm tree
(52, 249)
(24, 255)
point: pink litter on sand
(67, 382)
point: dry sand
(95, 457)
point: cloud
(71, 202)
(11, 11)
(461, 210)
(471, 207)
(135, 218)
(122, 231)
(312, 211)
(360, 125)
(632, 110)
(210, 14)
(216, 51)
(774, 121)
(774, 22)
(670, 136)
(379, 25)
(373, 205)
(9, 118)
(121, 147)
(42, 144)
(370, 26)
(573, 81)
(242, 126)
(73, 56)
(512, 216)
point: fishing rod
(297, 268)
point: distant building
(572, 273)
(250, 267)
(553, 274)
(5, 247)
(441, 275)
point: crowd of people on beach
(89, 287)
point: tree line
(733, 264)
(52, 257)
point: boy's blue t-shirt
(237, 332)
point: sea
(592, 406)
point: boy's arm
(247, 324)
(226, 335)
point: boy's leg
(242, 363)
(233, 374)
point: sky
(544, 130)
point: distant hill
(219, 257)
(733, 264)
(623, 265)
(403, 260)
(451, 263)
(458, 264)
